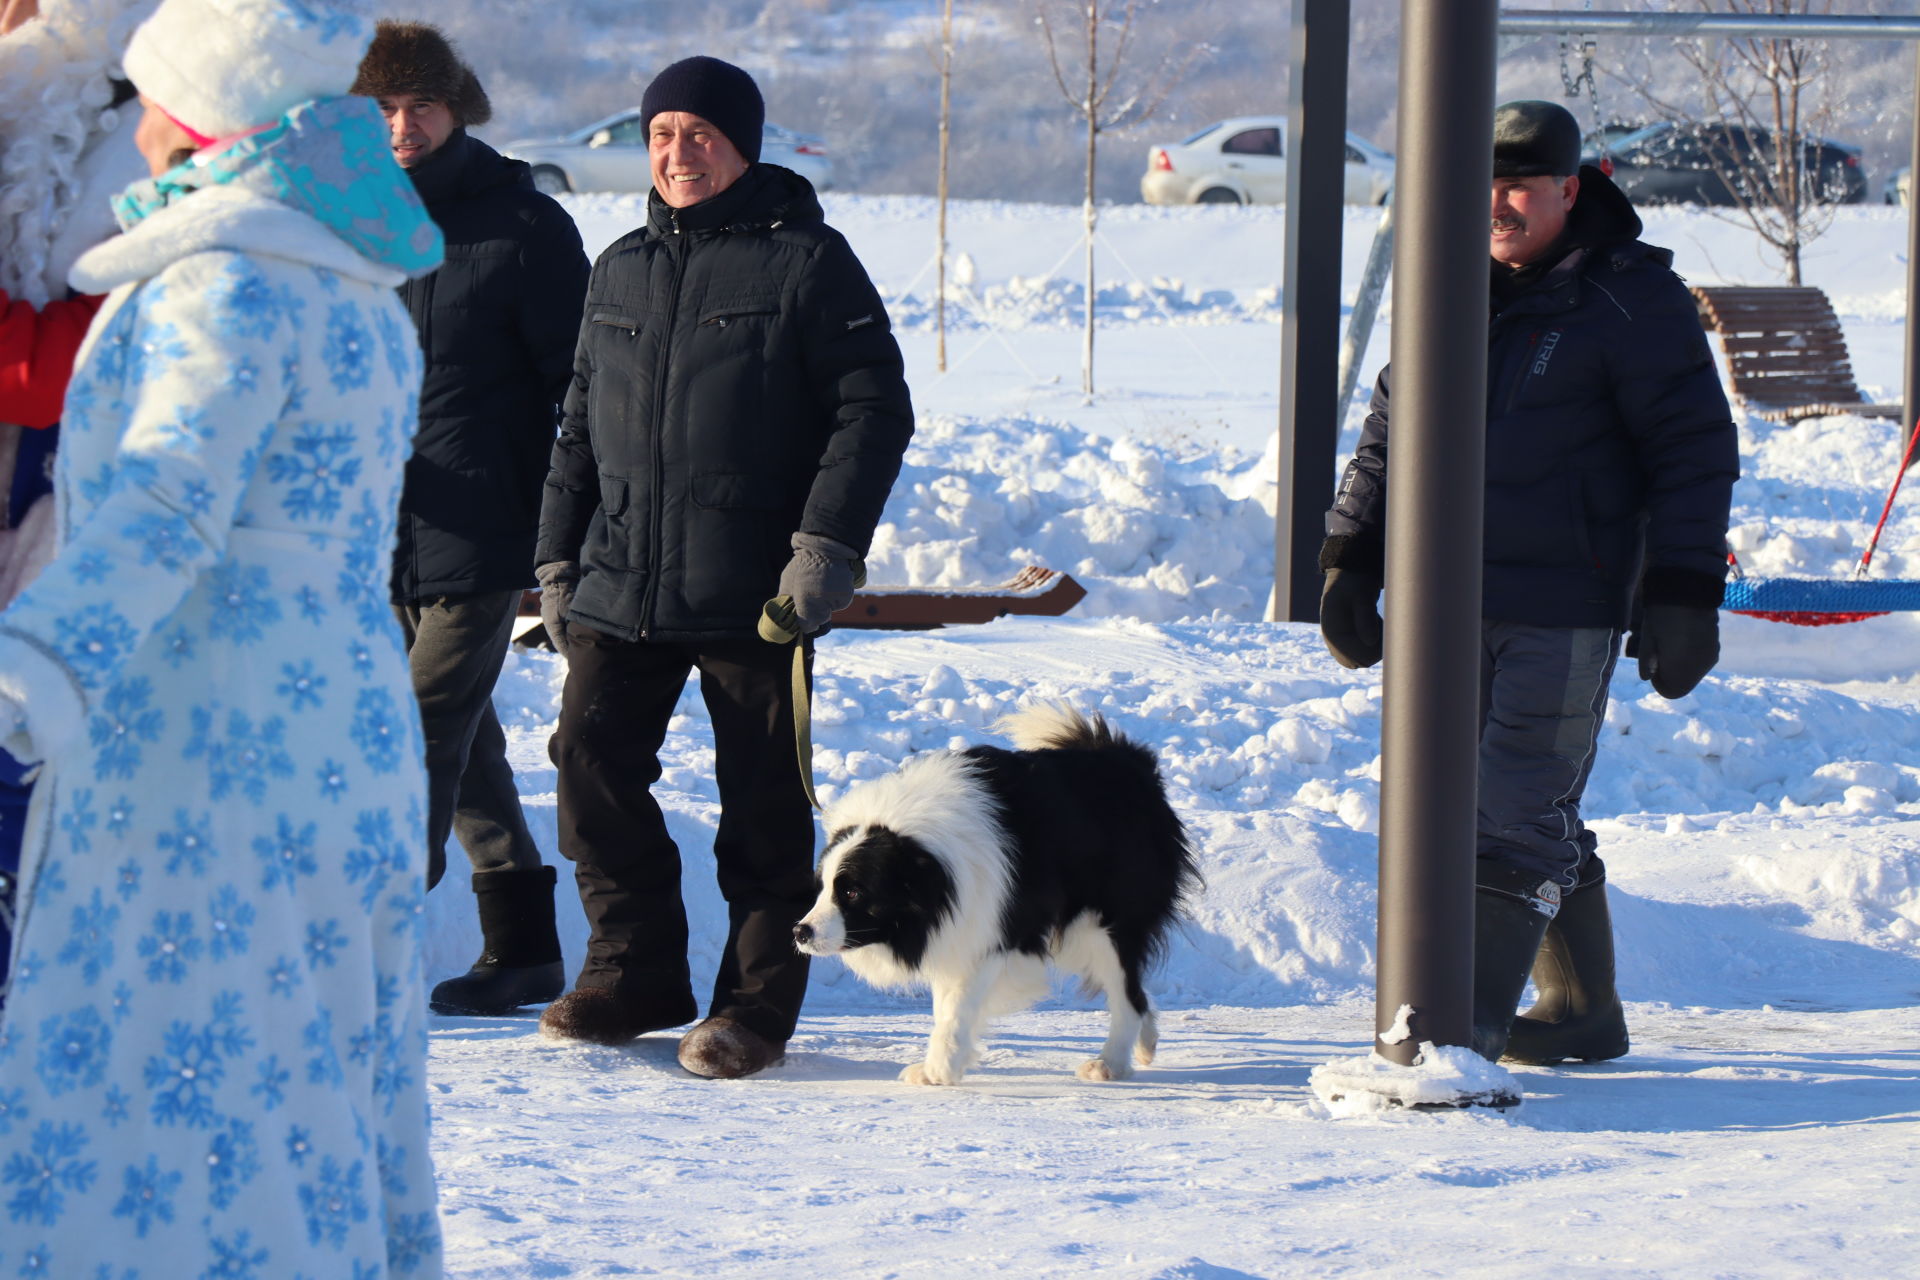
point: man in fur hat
(497, 323)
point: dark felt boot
(1578, 1013)
(606, 1015)
(520, 963)
(722, 1049)
(1511, 911)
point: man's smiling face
(691, 159)
(1528, 215)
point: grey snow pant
(1543, 696)
(455, 648)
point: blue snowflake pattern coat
(212, 1061)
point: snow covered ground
(1762, 835)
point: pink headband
(200, 140)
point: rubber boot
(1578, 1013)
(520, 963)
(1511, 910)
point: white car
(611, 155)
(1243, 161)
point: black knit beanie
(718, 92)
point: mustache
(1509, 222)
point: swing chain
(1572, 84)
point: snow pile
(1152, 531)
(1272, 756)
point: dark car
(1671, 163)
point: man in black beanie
(1611, 457)
(497, 323)
(736, 420)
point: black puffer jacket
(1609, 441)
(497, 323)
(736, 381)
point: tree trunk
(1092, 109)
(946, 119)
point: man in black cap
(496, 323)
(736, 420)
(1611, 457)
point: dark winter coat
(1609, 441)
(736, 381)
(497, 323)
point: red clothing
(36, 356)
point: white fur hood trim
(232, 218)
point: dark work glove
(1678, 644)
(1350, 617)
(557, 581)
(819, 578)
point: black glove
(1350, 617)
(1678, 644)
(557, 581)
(819, 578)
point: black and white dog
(969, 870)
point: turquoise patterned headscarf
(329, 158)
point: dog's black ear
(932, 897)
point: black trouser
(613, 719)
(455, 647)
(1543, 696)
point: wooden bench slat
(1786, 352)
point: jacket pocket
(741, 490)
(1542, 524)
(720, 310)
(613, 495)
(623, 322)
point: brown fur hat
(414, 59)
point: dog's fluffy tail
(1053, 725)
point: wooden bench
(1033, 591)
(1786, 356)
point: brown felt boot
(722, 1049)
(599, 1016)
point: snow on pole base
(1441, 1076)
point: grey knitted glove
(557, 581)
(820, 578)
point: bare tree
(944, 59)
(1090, 78)
(1766, 102)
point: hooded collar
(765, 195)
(463, 167)
(322, 172)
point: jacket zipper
(649, 598)
(1520, 378)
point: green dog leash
(780, 624)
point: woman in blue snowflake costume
(212, 1060)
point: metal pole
(1910, 408)
(1316, 155)
(1366, 304)
(1545, 22)
(1430, 717)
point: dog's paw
(1099, 1069)
(928, 1073)
(1143, 1053)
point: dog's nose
(802, 934)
